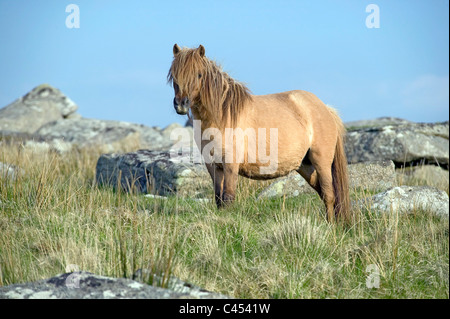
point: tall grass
(54, 215)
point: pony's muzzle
(183, 107)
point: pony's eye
(199, 75)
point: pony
(309, 135)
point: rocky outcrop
(84, 285)
(290, 186)
(45, 120)
(48, 119)
(9, 171)
(374, 176)
(42, 105)
(175, 284)
(374, 123)
(403, 144)
(409, 199)
(109, 135)
(430, 175)
(162, 173)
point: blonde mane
(221, 97)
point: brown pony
(309, 135)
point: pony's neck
(223, 99)
(200, 113)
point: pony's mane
(222, 97)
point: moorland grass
(53, 217)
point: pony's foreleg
(327, 192)
(217, 177)
(230, 172)
(310, 174)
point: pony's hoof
(225, 201)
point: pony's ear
(176, 49)
(201, 50)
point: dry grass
(53, 216)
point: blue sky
(115, 65)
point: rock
(198, 200)
(45, 119)
(44, 104)
(375, 123)
(9, 171)
(291, 185)
(167, 131)
(109, 135)
(374, 176)
(84, 285)
(155, 172)
(57, 145)
(430, 175)
(408, 199)
(405, 143)
(174, 284)
(152, 196)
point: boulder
(290, 186)
(9, 171)
(430, 175)
(198, 200)
(374, 176)
(409, 199)
(57, 145)
(42, 105)
(404, 143)
(84, 285)
(109, 135)
(373, 123)
(154, 172)
(174, 284)
(167, 131)
(45, 120)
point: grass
(53, 216)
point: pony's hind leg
(327, 192)
(308, 172)
(316, 170)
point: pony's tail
(342, 205)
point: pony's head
(199, 82)
(185, 74)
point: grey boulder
(374, 176)
(108, 135)
(409, 199)
(404, 143)
(84, 285)
(430, 175)
(9, 171)
(373, 123)
(154, 172)
(42, 105)
(175, 284)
